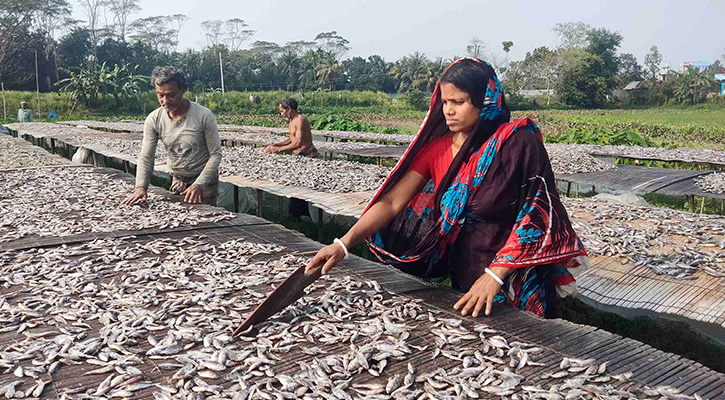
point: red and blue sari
(496, 206)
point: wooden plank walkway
(637, 296)
(559, 338)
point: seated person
(300, 134)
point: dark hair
(471, 77)
(288, 103)
(163, 75)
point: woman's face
(461, 115)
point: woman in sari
(474, 197)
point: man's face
(284, 111)
(170, 96)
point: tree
(236, 34)
(299, 47)
(121, 10)
(93, 10)
(538, 70)
(653, 61)
(75, 48)
(573, 34)
(261, 46)
(177, 21)
(579, 83)
(629, 68)
(507, 46)
(155, 32)
(333, 43)
(16, 17)
(693, 85)
(604, 43)
(212, 30)
(95, 81)
(476, 48)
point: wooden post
(259, 202)
(236, 198)
(568, 189)
(5, 107)
(702, 205)
(691, 202)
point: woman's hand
(482, 292)
(326, 258)
(139, 195)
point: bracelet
(494, 276)
(344, 248)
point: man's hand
(270, 149)
(326, 258)
(482, 292)
(192, 194)
(139, 195)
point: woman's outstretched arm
(376, 218)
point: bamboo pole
(5, 107)
(221, 71)
(37, 83)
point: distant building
(721, 78)
(536, 92)
(698, 65)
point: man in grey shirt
(191, 139)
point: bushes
(267, 102)
(61, 102)
(415, 99)
(597, 135)
(331, 122)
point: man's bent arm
(146, 158)
(210, 173)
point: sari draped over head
(496, 206)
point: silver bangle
(494, 276)
(344, 248)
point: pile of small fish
(266, 139)
(327, 176)
(17, 153)
(341, 135)
(671, 242)
(120, 318)
(116, 126)
(654, 153)
(713, 183)
(45, 129)
(128, 147)
(566, 161)
(67, 201)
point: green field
(700, 127)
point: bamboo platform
(643, 180)
(617, 285)
(620, 292)
(559, 338)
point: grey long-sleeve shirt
(193, 146)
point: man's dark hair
(163, 75)
(288, 103)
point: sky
(692, 30)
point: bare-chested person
(300, 135)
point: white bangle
(494, 276)
(344, 248)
